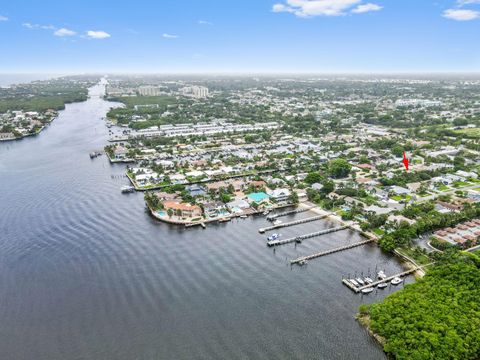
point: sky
(242, 36)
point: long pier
(306, 236)
(285, 213)
(292, 223)
(328, 252)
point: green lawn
(418, 257)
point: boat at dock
(302, 262)
(382, 285)
(381, 275)
(367, 290)
(266, 212)
(354, 282)
(127, 189)
(396, 280)
(368, 280)
(243, 216)
(273, 237)
(277, 222)
(360, 281)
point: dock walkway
(292, 223)
(306, 236)
(328, 252)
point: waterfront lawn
(415, 254)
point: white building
(148, 90)
(198, 92)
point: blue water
(87, 273)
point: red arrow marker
(405, 160)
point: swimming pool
(258, 196)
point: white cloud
(170, 36)
(363, 8)
(37, 26)
(461, 14)
(467, 2)
(310, 8)
(204, 22)
(97, 34)
(3, 18)
(64, 32)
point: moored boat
(360, 281)
(127, 189)
(367, 290)
(381, 275)
(396, 281)
(273, 237)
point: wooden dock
(285, 213)
(328, 252)
(306, 236)
(292, 223)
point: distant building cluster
(148, 90)
(198, 92)
(417, 102)
(201, 129)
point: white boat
(396, 280)
(266, 212)
(354, 282)
(243, 216)
(302, 262)
(277, 222)
(127, 189)
(368, 280)
(367, 290)
(382, 285)
(360, 281)
(381, 275)
(273, 237)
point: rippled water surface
(86, 273)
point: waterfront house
(214, 208)
(279, 195)
(119, 152)
(238, 205)
(184, 210)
